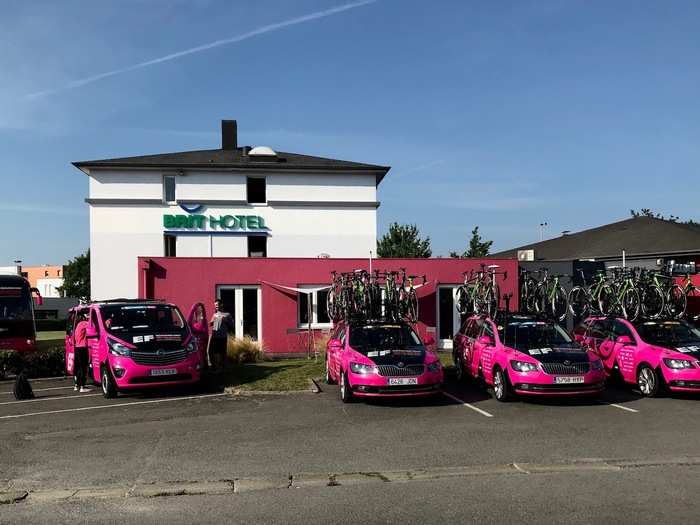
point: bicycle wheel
(331, 304)
(653, 302)
(462, 300)
(491, 301)
(412, 306)
(579, 302)
(558, 303)
(631, 304)
(530, 295)
(540, 299)
(676, 301)
(693, 300)
(607, 300)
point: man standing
(80, 357)
(221, 325)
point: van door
(70, 343)
(94, 344)
(197, 321)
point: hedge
(50, 325)
(47, 363)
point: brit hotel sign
(214, 223)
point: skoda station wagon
(526, 356)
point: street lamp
(543, 225)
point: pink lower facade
(259, 292)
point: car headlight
(191, 347)
(678, 364)
(596, 365)
(522, 366)
(434, 367)
(116, 348)
(359, 368)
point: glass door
(243, 303)
(447, 318)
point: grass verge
(278, 376)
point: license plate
(403, 380)
(163, 371)
(568, 380)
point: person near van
(80, 354)
(221, 325)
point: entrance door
(447, 318)
(243, 303)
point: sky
(502, 114)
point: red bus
(17, 330)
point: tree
(646, 212)
(478, 247)
(76, 278)
(403, 241)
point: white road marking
(55, 398)
(41, 389)
(468, 405)
(628, 409)
(98, 407)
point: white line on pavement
(41, 389)
(14, 416)
(55, 398)
(620, 407)
(468, 405)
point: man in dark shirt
(221, 325)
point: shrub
(243, 350)
(50, 325)
(44, 363)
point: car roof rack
(130, 301)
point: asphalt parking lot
(238, 452)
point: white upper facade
(281, 205)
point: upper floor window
(256, 190)
(169, 188)
(170, 245)
(257, 246)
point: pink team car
(381, 359)
(136, 344)
(526, 356)
(651, 354)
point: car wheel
(109, 388)
(459, 367)
(345, 391)
(648, 381)
(501, 388)
(329, 377)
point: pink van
(526, 356)
(381, 359)
(653, 354)
(136, 344)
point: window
(257, 246)
(319, 308)
(256, 190)
(94, 322)
(620, 329)
(169, 188)
(170, 245)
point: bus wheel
(109, 388)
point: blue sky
(498, 114)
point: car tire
(345, 390)
(501, 386)
(459, 368)
(329, 377)
(648, 381)
(109, 387)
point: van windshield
(151, 318)
(383, 337)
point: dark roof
(232, 159)
(638, 236)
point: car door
(601, 340)
(95, 343)
(625, 355)
(459, 345)
(70, 343)
(472, 349)
(487, 352)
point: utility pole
(543, 225)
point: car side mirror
(485, 340)
(335, 343)
(429, 341)
(38, 300)
(91, 333)
(623, 340)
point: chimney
(229, 134)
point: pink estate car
(526, 356)
(653, 355)
(135, 344)
(381, 359)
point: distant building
(647, 242)
(46, 278)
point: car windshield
(668, 333)
(530, 335)
(152, 318)
(383, 337)
(15, 303)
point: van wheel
(329, 377)
(109, 387)
(501, 387)
(648, 381)
(345, 390)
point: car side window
(581, 329)
(69, 322)
(620, 329)
(487, 330)
(475, 329)
(600, 330)
(94, 321)
(341, 335)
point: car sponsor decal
(538, 351)
(143, 338)
(168, 337)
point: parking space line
(620, 407)
(98, 407)
(40, 389)
(54, 398)
(468, 405)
